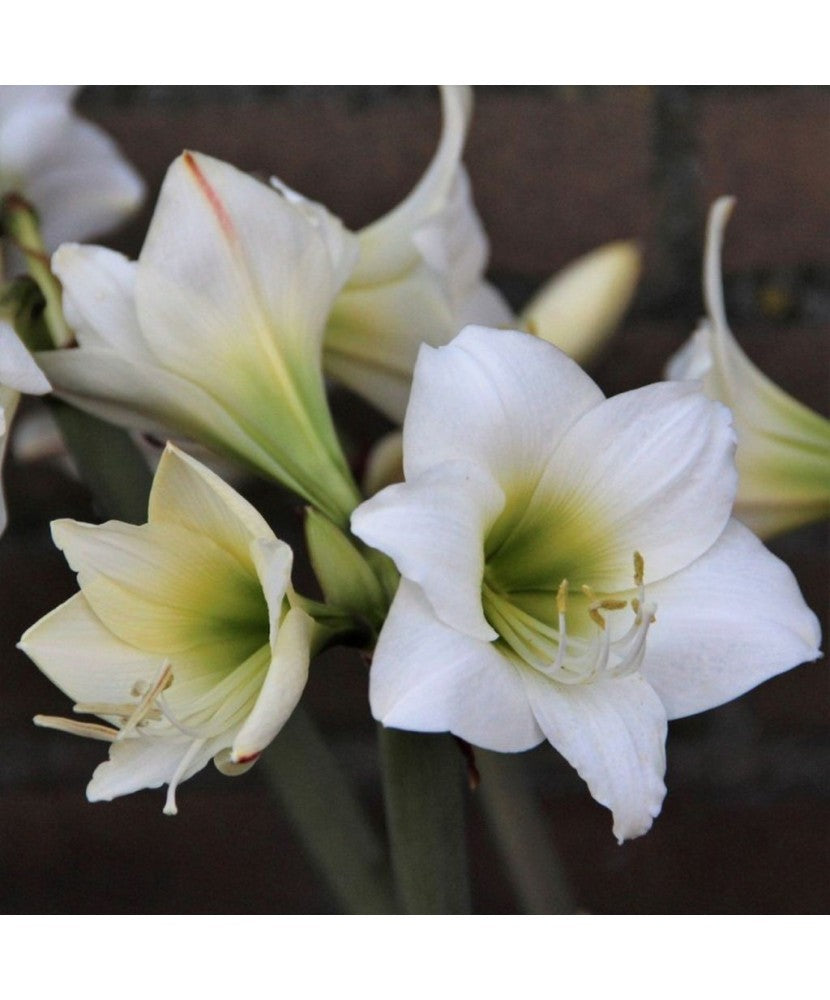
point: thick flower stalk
(183, 638)
(215, 333)
(570, 568)
(18, 374)
(68, 168)
(783, 453)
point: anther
(92, 730)
(562, 597)
(147, 700)
(639, 569)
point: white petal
(430, 678)
(18, 369)
(614, 733)
(273, 560)
(386, 247)
(497, 397)
(99, 298)
(694, 359)
(147, 761)
(731, 620)
(26, 97)
(70, 170)
(434, 528)
(188, 494)
(151, 399)
(452, 242)
(167, 590)
(231, 271)
(374, 333)
(83, 658)
(485, 306)
(281, 688)
(650, 470)
(581, 306)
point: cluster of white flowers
(567, 567)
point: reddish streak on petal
(213, 198)
(248, 758)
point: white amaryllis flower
(783, 454)
(215, 333)
(68, 168)
(18, 373)
(570, 568)
(182, 637)
(418, 277)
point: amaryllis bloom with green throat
(215, 333)
(183, 638)
(783, 454)
(570, 567)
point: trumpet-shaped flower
(68, 168)
(570, 569)
(182, 638)
(215, 333)
(418, 277)
(783, 454)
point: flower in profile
(215, 333)
(783, 454)
(418, 276)
(182, 637)
(68, 168)
(570, 569)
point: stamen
(204, 733)
(562, 597)
(575, 659)
(639, 569)
(93, 730)
(170, 802)
(147, 699)
(124, 710)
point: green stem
(109, 462)
(513, 814)
(306, 777)
(424, 793)
(20, 222)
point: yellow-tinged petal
(579, 308)
(281, 688)
(188, 494)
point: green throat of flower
(570, 657)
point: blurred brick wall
(555, 172)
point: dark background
(556, 171)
